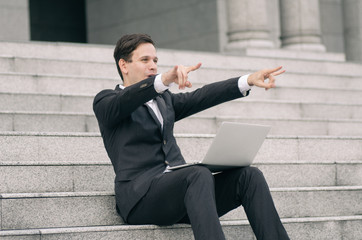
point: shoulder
(105, 93)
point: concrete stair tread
(216, 118)
(246, 99)
(104, 53)
(286, 54)
(99, 176)
(18, 209)
(38, 121)
(254, 108)
(67, 50)
(21, 64)
(20, 146)
(108, 163)
(292, 93)
(321, 230)
(61, 83)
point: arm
(111, 106)
(186, 104)
(213, 94)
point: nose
(153, 65)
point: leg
(247, 187)
(185, 192)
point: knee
(201, 174)
(254, 175)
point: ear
(123, 66)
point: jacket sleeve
(111, 106)
(186, 104)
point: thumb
(174, 69)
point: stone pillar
(300, 25)
(247, 24)
(352, 20)
(14, 20)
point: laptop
(235, 145)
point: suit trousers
(194, 195)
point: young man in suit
(136, 121)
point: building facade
(197, 25)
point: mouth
(151, 75)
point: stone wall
(14, 20)
(187, 24)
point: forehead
(145, 49)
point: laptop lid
(235, 145)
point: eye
(155, 60)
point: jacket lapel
(162, 106)
(153, 115)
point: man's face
(143, 64)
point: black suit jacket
(137, 146)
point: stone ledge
(293, 226)
(98, 193)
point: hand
(179, 75)
(258, 78)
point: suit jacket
(137, 146)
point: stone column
(352, 20)
(247, 24)
(300, 25)
(14, 20)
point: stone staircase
(56, 181)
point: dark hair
(126, 45)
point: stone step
(253, 108)
(54, 84)
(322, 228)
(315, 95)
(290, 54)
(58, 50)
(286, 126)
(53, 66)
(63, 84)
(77, 122)
(49, 210)
(169, 58)
(100, 52)
(88, 177)
(88, 147)
(48, 122)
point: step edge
(108, 163)
(108, 193)
(125, 227)
(245, 100)
(214, 118)
(203, 55)
(177, 135)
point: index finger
(193, 68)
(278, 73)
(269, 71)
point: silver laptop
(235, 145)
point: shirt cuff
(159, 86)
(243, 84)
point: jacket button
(167, 163)
(164, 142)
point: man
(136, 121)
